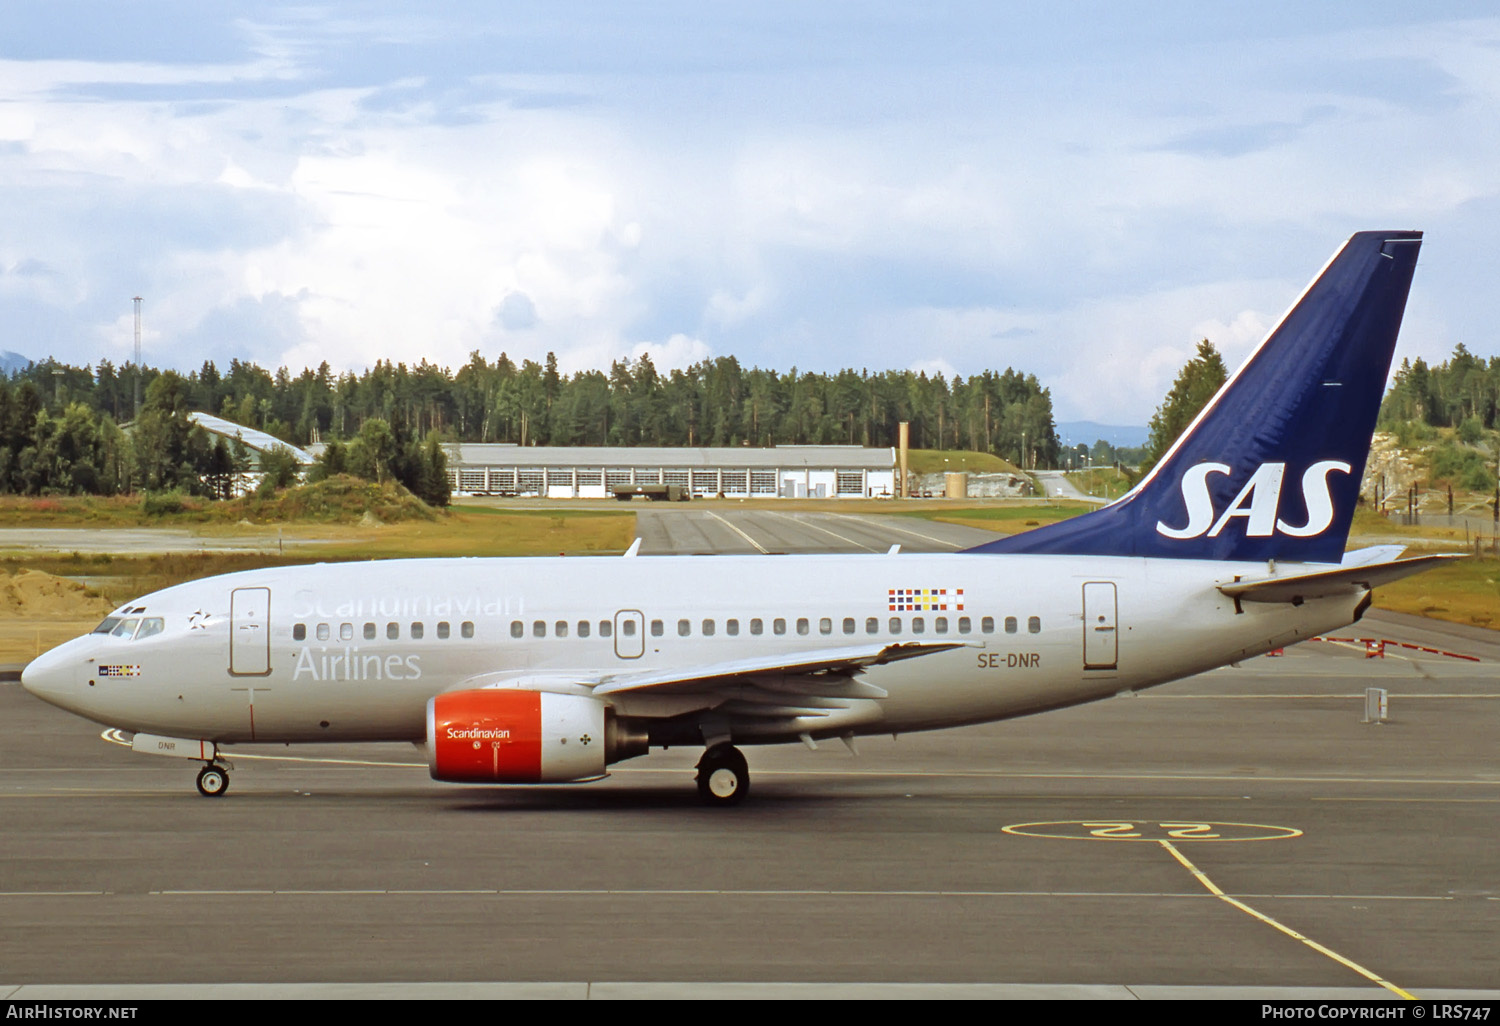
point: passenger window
(299, 631)
(443, 630)
(393, 631)
(963, 625)
(517, 629)
(539, 628)
(323, 631)
(756, 626)
(560, 628)
(1010, 625)
(149, 626)
(467, 628)
(1034, 625)
(940, 625)
(895, 625)
(606, 628)
(731, 627)
(918, 625)
(346, 632)
(628, 628)
(583, 628)
(684, 628)
(369, 632)
(658, 628)
(778, 626)
(802, 625)
(708, 628)
(987, 625)
(848, 625)
(825, 626)
(872, 625)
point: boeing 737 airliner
(542, 670)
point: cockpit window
(109, 624)
(126, 628)
(149, 626)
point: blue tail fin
(1271, 467)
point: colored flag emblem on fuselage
(925, 600)
(119, 671)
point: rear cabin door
(250, 632)
(1101, 639)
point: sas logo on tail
(1257, 503)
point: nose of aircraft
(49, 675)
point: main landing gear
(723, 776)
(213, 780)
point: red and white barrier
(1375, 647)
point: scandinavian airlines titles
(341, 664)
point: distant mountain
(11, 362)
(1088, 432)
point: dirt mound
(34, 593)
(340, 499)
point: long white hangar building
(584, 472)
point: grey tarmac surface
(344, 871)
(719, 528)
(139, 541)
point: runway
(1075, 853)
(720, 528)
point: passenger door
(1101, 640)
(250, 632)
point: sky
(1080, 190)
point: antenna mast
(137, 356)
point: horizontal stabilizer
(1346, 580)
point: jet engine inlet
(511, 736)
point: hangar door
(1101, 641)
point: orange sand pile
(32, 593)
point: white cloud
(1110, 361)
(951, 217)
(933, 368)
(726, 309)
(41, 79)
(677, 353)
(1236, 339)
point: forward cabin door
(250, 632)
(1101, 639)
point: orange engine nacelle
(510, 736)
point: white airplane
(548, 670)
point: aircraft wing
(1344, 580)
(828, 662)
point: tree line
(1461, 392)
(69, 447)
(60, 425)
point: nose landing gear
(213, 780)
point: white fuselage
(353, 651)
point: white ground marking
(759, 548)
